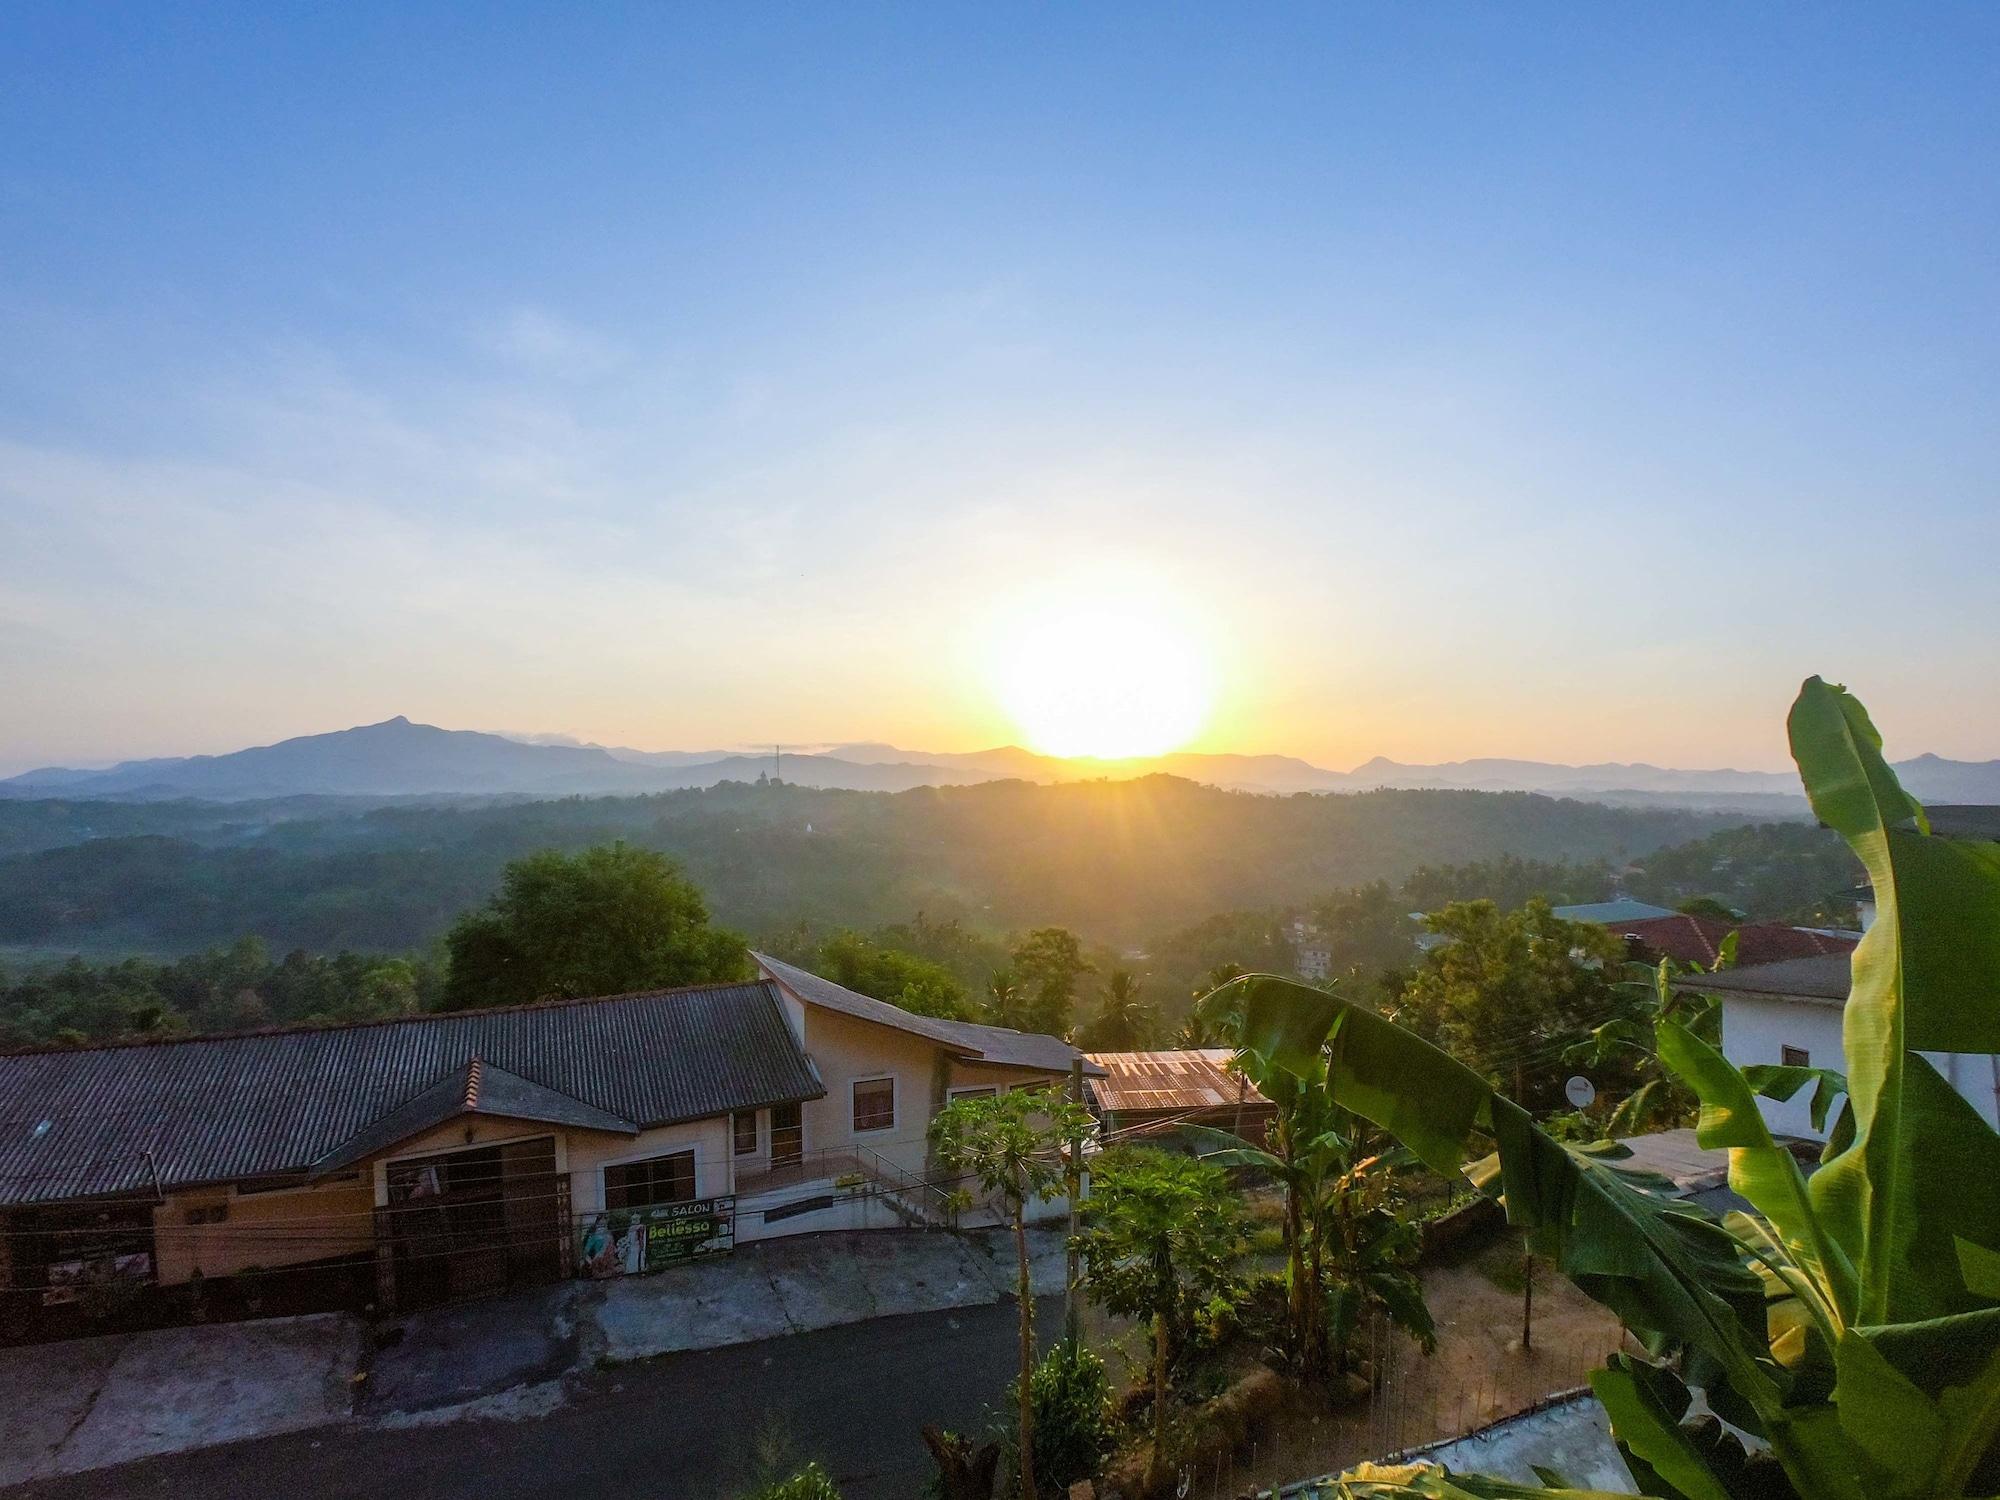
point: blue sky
(1563, 382)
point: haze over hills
(398, 758)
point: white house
(1790, 1012)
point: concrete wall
(1756, 1030)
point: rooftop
(1699, 939)
(90, 1121)
(969, 1039)
(1824, 980)
(1622, 909)
(1185, 1078)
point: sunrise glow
(1117, 674)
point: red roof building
(1699, 940)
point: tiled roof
(88, 1121)
(1699, 939)
(478, 1088)
(969, 1039)
(1185, 1078)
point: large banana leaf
(1919, 1174)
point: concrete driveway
(90, 1403)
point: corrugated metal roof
(88, 1121)
(1622, 909)
(994, 1044)
(1185, 1078)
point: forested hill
(1117, 861)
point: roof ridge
(297, 1028)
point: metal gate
(467, 1223)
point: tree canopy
(603, 922)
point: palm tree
(1123, 1021)
(1006, 999)
(1212, 1022)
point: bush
(810, 1483)
(1071, 1393)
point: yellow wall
(590, 1152)
(285, 1228)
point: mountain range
(398, 758)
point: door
(787, 1135)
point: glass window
(1795, 1057)
(638, 1184)
(875, 1104)
(744, 1123)
(983, 1091)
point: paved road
(685, 1427)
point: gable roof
(90, 1121)
(1821, 980)
(968, 1039)
(477, 1088)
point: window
(875, 1104)
(744, 1125)
(983, 1091)
(638, 1184)
(1795, 1057)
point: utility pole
(1527, 1301)
(1074, 1183)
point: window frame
(627, 1206)
(854, 1088)
(737, 1118)
(972, 1091)
(1794, 1057)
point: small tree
(1164, 1240)
(1013, 1146)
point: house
(415, 1160)
(1699, 940)
(1141, 1093)
(1791, 1013)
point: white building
(1790, 1013)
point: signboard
(1580, 1091)
(628, 1241)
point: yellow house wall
(285, 1228)
(846, 1050)
(591, 1152)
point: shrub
(810, 1483)
(1071, 1395)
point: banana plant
(1851, 1327)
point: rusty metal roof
(1186, 1078)
(89, 1121)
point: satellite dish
(1580, 1091)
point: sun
(1111, 676)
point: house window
(744, 1125)
(875, 1104)
(982, 1091)
(1795, 1057)
(662, 1179)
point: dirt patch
(1479, 1374)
